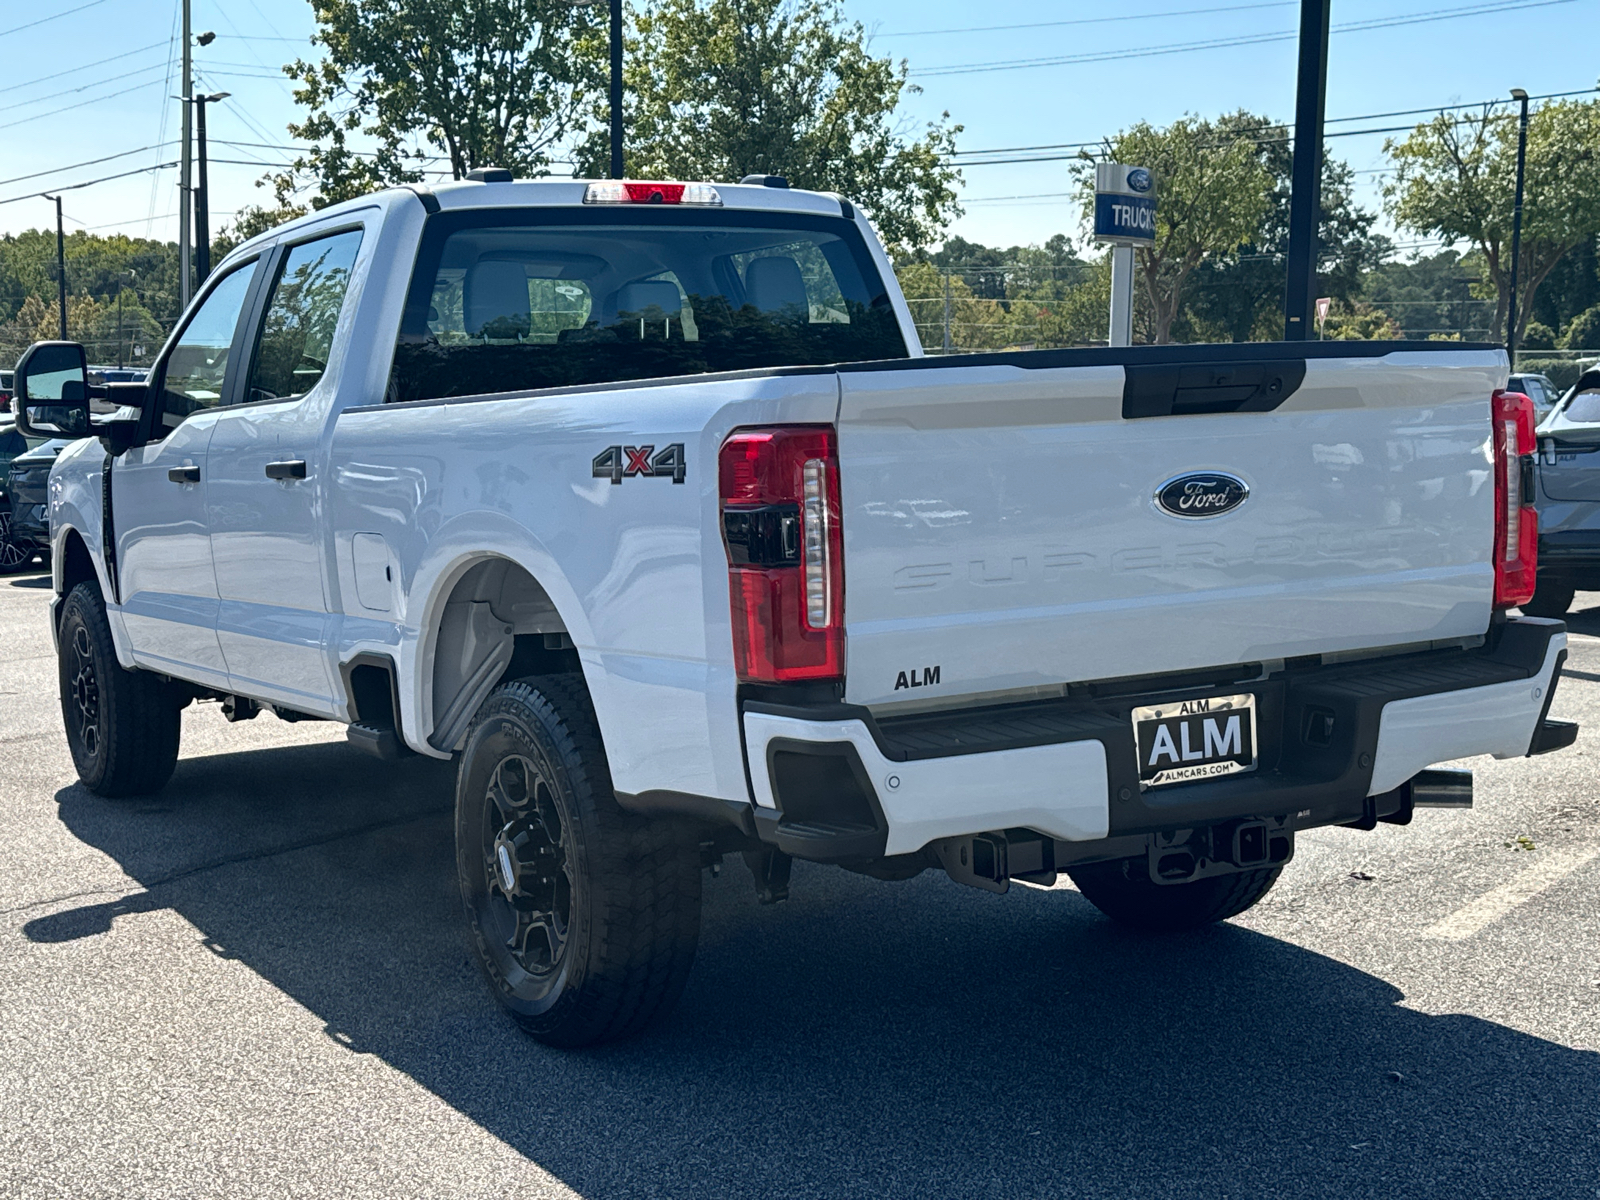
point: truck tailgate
(1001, 528)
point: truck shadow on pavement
(864, 1039)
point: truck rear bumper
(842, 783)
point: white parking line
(1545, 870)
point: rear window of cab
(512, 300)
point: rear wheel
(122, 726)
(1551, 598)
(1123, 891)
(14, 555)
(585, 918)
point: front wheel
(1122, 889)
(122, 726)
(585, 918)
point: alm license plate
(1185, 740)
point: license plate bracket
(1196, 738)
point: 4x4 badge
(617, 463)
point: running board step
(380, 741)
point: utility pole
(947, 346)
(184, 195)
(122, 287)
(616, 89)
(61, 267)
(1516, 225)
(202, 206)
(1305, 194)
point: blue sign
(1125, 218)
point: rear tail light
(780, 523)
(620, 191)
(1516, 524)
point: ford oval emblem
(1208, 494)
(1139, 180)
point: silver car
(1567, 496)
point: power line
(1259, 141)
(72, 187)
(99, 62)
(1182, 12)
(88, 162)
(1443, 14)
(81, 88)
(55, 17)
(69, 107)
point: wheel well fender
(489, 619)
(72, 564)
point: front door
(264, 483)
(167, 587)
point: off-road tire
(122, 726)
(632, 884)
(1551, 598)
(1123, 891)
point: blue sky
(57, 108)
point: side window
(197, 368)
(302, 316)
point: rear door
(1005, 527)
(263, 485)
(167, 587)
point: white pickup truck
(641, 503)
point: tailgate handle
(1187, 389)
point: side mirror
(51, 391)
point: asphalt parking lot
(255, 984)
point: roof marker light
(620, 191)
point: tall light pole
(61, 267)
(616, 89)
(184, 248)
(1305, 191)
(1521, 97)
(202, 208)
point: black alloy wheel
(80, 699)
(122, 726)
(527, 868)
(584, 918)
(14, 556)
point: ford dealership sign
(1124, 204)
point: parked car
(28, 490)
(640, 503)
(17, 551)
(1538, 388)
(1567, 495)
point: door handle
(294, 468)
(184, 474)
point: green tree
(1212, 194)
(1583, 331)
(250, 221)
(1455, 178)
(720, 89)
(975, 323)
(1239, 297)
(478, 82)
